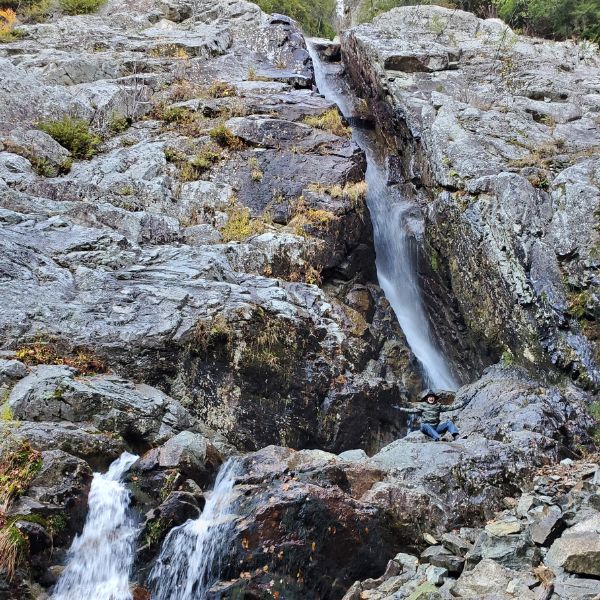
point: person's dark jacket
(430, 413)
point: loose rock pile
(544, 545)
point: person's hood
(428, 392)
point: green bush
(315, 16)
(73, 134)
(558, 19)
(80, 7)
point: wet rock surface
(499, 134)
(201, 285)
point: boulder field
(187, 272)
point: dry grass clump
(19, 464)
(47, 353)
(223, 136)
(241, 225)
(305, 220)
(331, 121)
(221, 89)
(192, 169)
(355, 192)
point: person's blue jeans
(437, 432)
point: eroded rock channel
(199, 265)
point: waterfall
(396, 245)
(190, 558)
(100, 559)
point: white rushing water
(100, 559)
(396, 246)
(191, 556)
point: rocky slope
(194, 280)
(499, 136)
(184, 253)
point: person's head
(429, 396)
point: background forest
(557, 19)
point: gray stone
(436, 575)
(138, 412)
(191, 453)
(84, 441)
(486, 578)
(456, 544)
(576, 588)
(550, 526)
(354, 455)
(440, 557)
(504, 527)
(578, 549)
(10, 370)
(526, 503)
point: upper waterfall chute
(396, 247)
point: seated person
(430, 412)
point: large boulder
(578, 549)
(139, 413)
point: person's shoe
(455, 436)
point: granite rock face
(198, 284)
(499, 133)
(214, 244)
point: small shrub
(221, 89)
(173, 155)
(207, 157)
(80, 7)
(37, 12)
(118, 123)
(176, 114)
(8, 21)
(194, 168)
(73, 134)
(224, 137)
(256, 173)
(6, 413)
(19, 465)
(330, 121)
(507, 359)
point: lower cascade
(190, 560)
(100, 559)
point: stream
(100, 559)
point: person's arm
(411, 411)
(454, 406)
